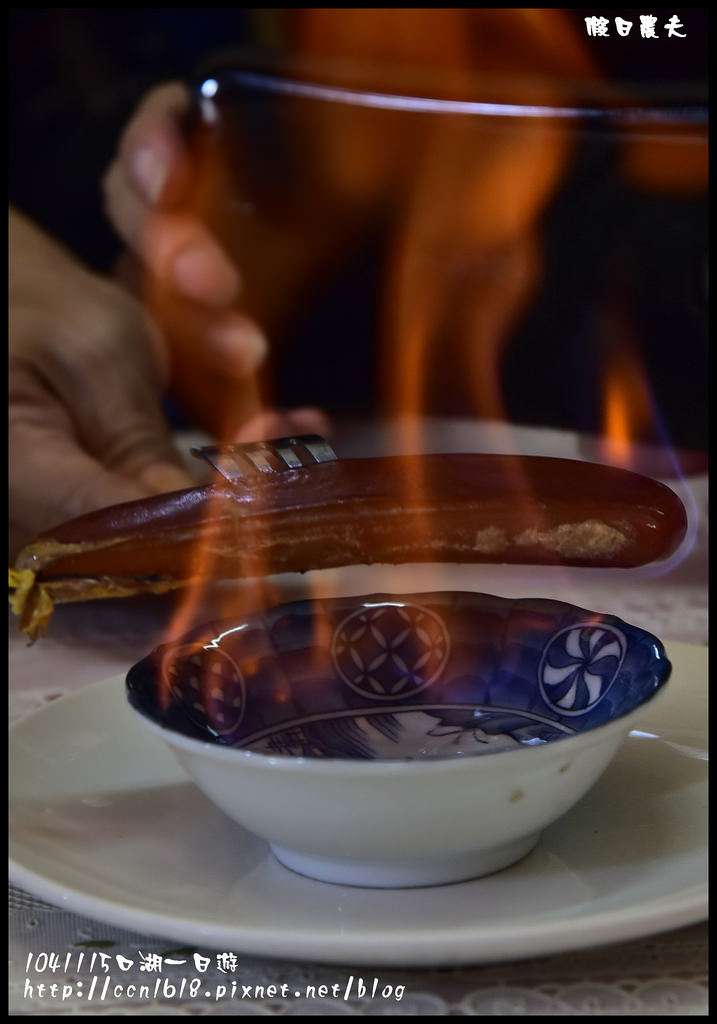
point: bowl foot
(396, 874)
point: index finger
(152, 150)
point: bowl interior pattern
(407, 677)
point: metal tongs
(237, 462)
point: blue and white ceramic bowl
(400, 740)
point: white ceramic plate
(104, 823)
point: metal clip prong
(245, 461)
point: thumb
(54, 476)
(102, 390)
(52, 479)
(135, 446)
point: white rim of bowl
(343, 765)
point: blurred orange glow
(464, 258)
(465, 194)
(676, 163)
(463, 197)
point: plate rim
(465, 944)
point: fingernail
(241, 346)
(150, 172)
(205, 274)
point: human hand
(144, 189)
(189, 281)
(86, 375)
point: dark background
(76, 74)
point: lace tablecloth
(658, 974)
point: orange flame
(628, 410)
(467, 254)
(468, 194)
(617, 421)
